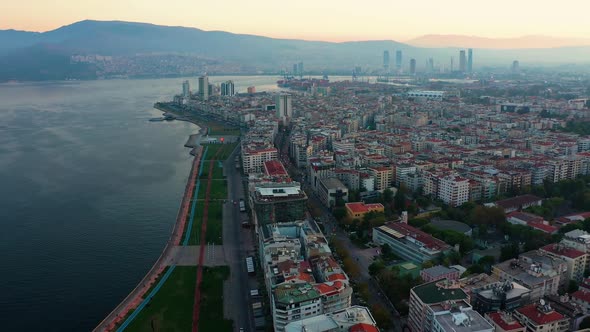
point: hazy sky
(333, 20)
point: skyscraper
(462, 61)
(431, 65)
(186, 89)
(386, 61)
(398, 60)
(204, 87)
(283, 106)
(470, 60)
(515, 67)
(412, 66)
(227, 88)
(294, 69)
(300, 69)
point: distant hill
(526, 42)
(22, 54)
(127, 38)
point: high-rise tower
(386, 61)
(204, 87)
(283, 106)
(186, 89)
(398, 60)
(470, 60)
(227, 88)
(462, 61)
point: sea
(89, 192)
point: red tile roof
(496, 317)
(543, 228)
(329, 288)
(538, 317)
(362, 327)
(563, 251)
(337, 276)
(360, 207)
(517, 202)
(428, 240)
(582, 295)
(274, 168)
(526, 217)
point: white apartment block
(453, 190)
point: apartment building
(541, 318)
(409, 242)
(453, 190)
(576, 260)
(424, 296)
(253, 158)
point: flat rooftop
(288, 294)
(430, 293)
(466, 321)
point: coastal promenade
(134, 298)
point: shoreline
(136, 296)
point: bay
(89, 191)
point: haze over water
(89, 191)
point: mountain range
(25, 54)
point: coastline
(136, 296)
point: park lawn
(195, 237)
(219, 129)
(217, 169)
(226, 150)
(214, 223)
(211, 316)
(218, 190)
(171, 309)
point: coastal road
(237, 245)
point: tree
(376, 267)
(487, 260)
(572, 286)
(363, 289)
(399, 201)
(339, 213)
(427, 264)
(490, 216)
(473, 269)
(387, 195)
(381, 316)
(351, 267)
(386, 249)
(418, 222)
(509, 251)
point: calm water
(89, 191)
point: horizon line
(403, 40)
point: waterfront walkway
(134, 298)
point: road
(237, 242)
(363, 257)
